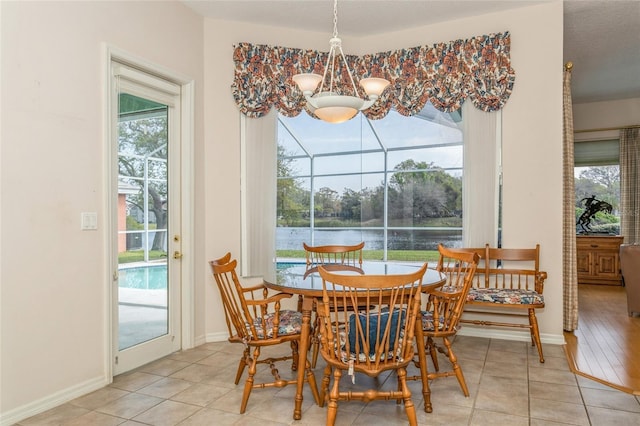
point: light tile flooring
(508, 386)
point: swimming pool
(143, 277)
(155, 277)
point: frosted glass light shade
(374, 86)
(335, 114)
(331, 99)
(307, 82)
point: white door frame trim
(187, 135)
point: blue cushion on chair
(383, 317)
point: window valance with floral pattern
(446, 74)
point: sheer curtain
(569, 268)
(629, 189)
(481, 177)
(258, 185)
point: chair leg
(311, 379)
(332, 407)
(248, 384)
(535, 333)
(294, 354)
(242, 364)
(324, 386)
(424, 373)
(433, 350)
(410, 409)
(315, 344)
(456, 367)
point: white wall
(531, 133)
(606, 114)
(54, 325)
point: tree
(292, 200)
(418, 191)
(603, 182)
(351, 205)
(326, 203)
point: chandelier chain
(335, 18)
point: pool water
(155, 277)
(144, 277)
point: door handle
(177, 255)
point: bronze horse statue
(592, 206)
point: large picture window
(394, 183)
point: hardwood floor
(606, 345)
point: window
(394, 183)
(597, 176)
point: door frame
(187, 138)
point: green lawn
(138, 256)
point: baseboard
(520, 336)
(43, 404)
(222, 336)
(199, 340)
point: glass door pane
(143, 297)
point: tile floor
(508, 386)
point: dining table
(298, 279)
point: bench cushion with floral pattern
(505, 296)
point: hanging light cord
(336, 43)
(335, 19)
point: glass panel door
(147, 276)
(142, 220)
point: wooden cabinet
(598, 259)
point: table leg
(307, 307)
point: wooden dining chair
(441, 317)
(349, 256)
(377, 338)
(341, 254)
(255, 320)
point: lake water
(292, 238)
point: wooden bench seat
(508, 282)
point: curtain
(258, 187)
(446, 74)
(480, 181)
(569, 267)
(629, 189)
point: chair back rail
(328, 254)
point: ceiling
(601, 38)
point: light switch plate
(88, 221)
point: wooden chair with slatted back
(376, 339)
(441, 317)
(255, 320)
(341, 254)
(344, 255)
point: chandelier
(328, 105)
